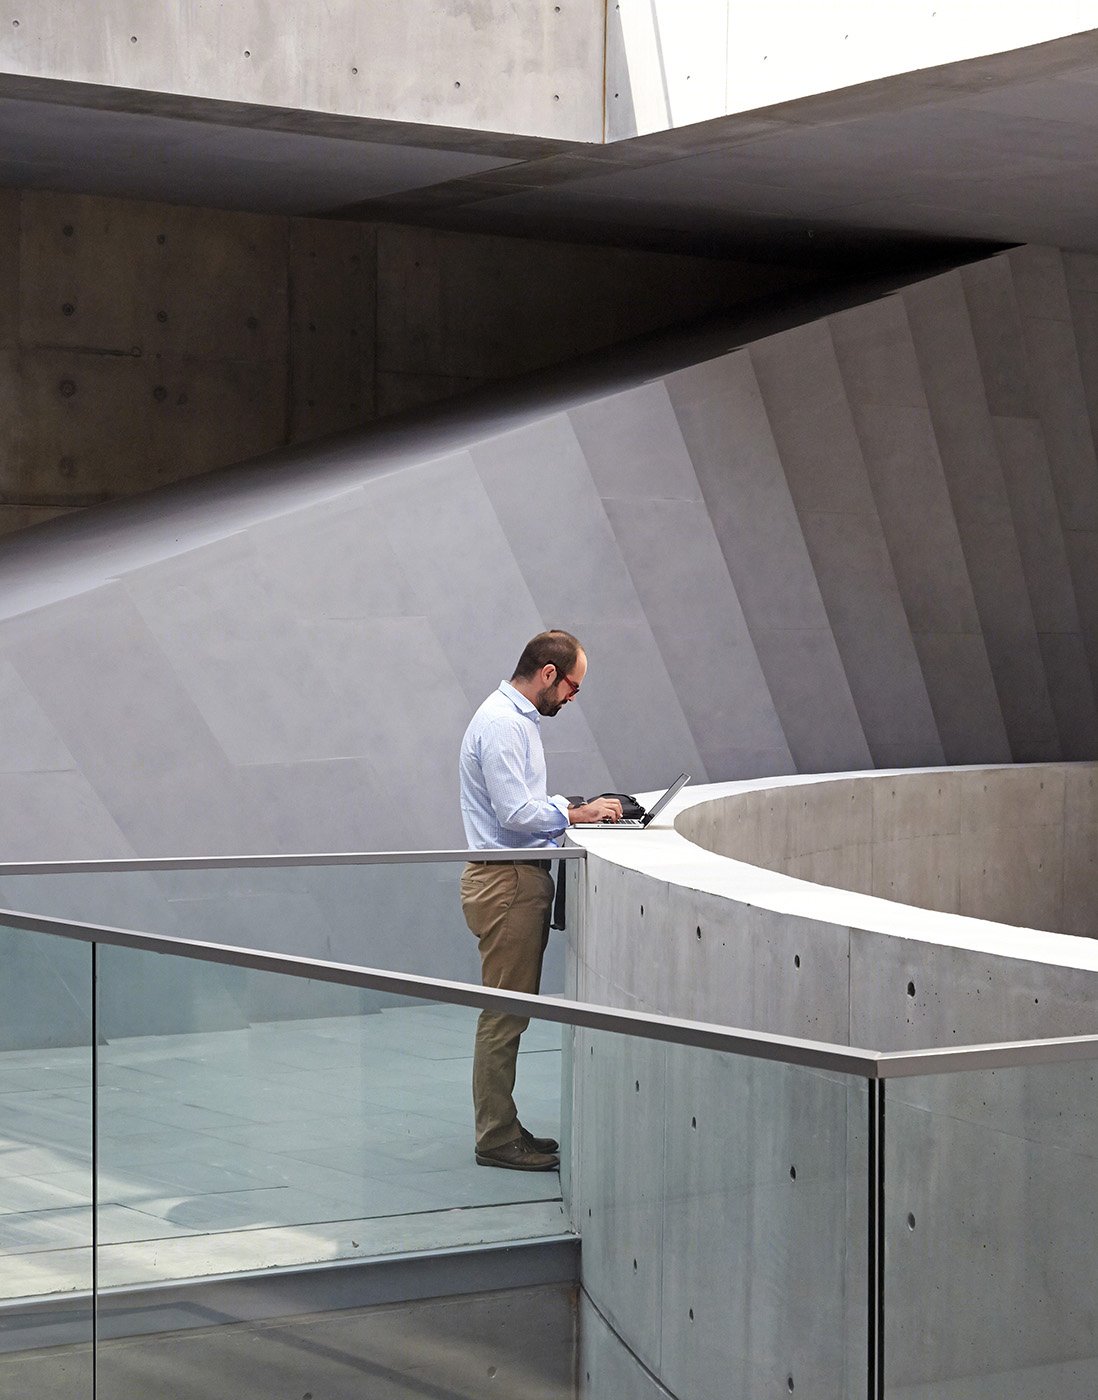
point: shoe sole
(517, 1166)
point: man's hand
(602, 809)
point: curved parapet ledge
(731, 908)
(721, 1199)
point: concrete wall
(144, 343)
(712, 1188)
(670, 64)
(580, 70)
(766, 538)
(1014, 845)
(488, 65)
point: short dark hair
(552, 648)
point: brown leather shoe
(538, 1144)
(519, 1156)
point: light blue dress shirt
(504, 799)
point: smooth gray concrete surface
(966, 1155)
(944, 342)
(1014, 845)
(520, 1342)
(284, 657)
(143, 342)
(759, 1209)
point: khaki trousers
(508, 907)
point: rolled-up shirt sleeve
(505, 762)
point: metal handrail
(129, 864)
(871, 1065)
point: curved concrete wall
(1016, 845)
(721, 1200)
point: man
(507, 904)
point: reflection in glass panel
(991, 1233)
(722, 1204)
(404, 917)
(45, 1167)
(248, 1133)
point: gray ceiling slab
(57, 816)
(633, 445)
(460, 569)
(875, 356)
(338, 804)
(313, 634)
(331, 560)
(574, 569)
(245, 663)
(28, 741)
(142, 155)
(1060, 397)
(810, 416)
(965, 701)
(728, 433)
(1020, 443)
(997, 332)
(996, 149)
(560, 534)
(674, 558)
(411, 711)
(944, 340)
(1071, 689)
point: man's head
(550, 670)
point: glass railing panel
(722, 1206)
(249, 1143)
(405, 917)
(991, 1234)
(302, 1139)
(45, 1167)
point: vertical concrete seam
(1057, 495)
(812, 565)
(288, 392)
(605, 61)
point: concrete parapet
(722, 1200)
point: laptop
(635, 823)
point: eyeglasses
(573, 688)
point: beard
(545, 705)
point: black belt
(539, 864)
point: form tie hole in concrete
(694, 1124)
(911, 989)
(161, 239)
(642, 911)
(796, 959)
(910, 1221)
(638, 1086)
(133, 38)
(634, 1266)
(68, 309)
(161, 316)
(354, 72)
(691, 1314)
(792, 1173)
(247, 53)
(67, 388)
(698, 931)
(68, 230)
(789, 1383)
(491, 1373)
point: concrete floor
(519, 1344)
(282, 1144)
